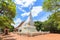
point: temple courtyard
(15, 36)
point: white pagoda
(27, 26)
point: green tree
(52, 24)
(45, 26)
(7, 12)
(54, 7)
(38, 25)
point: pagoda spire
(31, 18)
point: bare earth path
(15, 36)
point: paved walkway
(14, 36)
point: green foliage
(51, 5)
(45, 26)
(8, 7)
(52, 23)
(54, 20)
(7, 13)
(57, 16)
(11, 28)
(49, 25)
(38, 25)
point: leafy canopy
(7, 12)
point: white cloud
(24, 3)
(17, 22)
(21, 9)
(35, 11)
(25, 14)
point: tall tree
(54, 7)
(7, 12)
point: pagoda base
(27, 29)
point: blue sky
(23, 10)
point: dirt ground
(14, 36)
